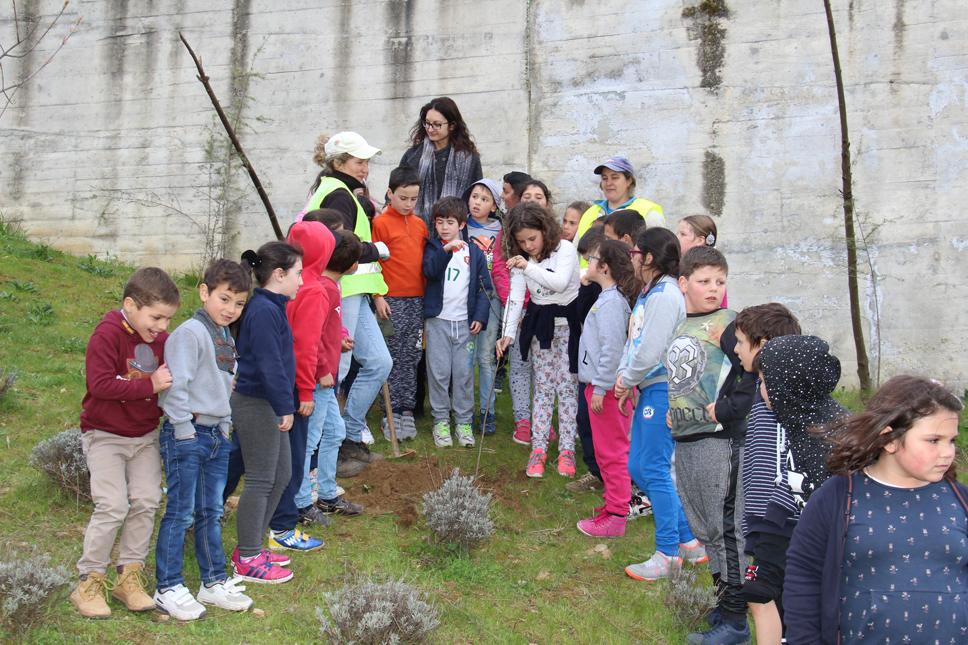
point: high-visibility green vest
(650, 212)
(368, 278)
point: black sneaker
(340, 505)
(312, 515)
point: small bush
(372, 613)
(95, 267)
(458, 513)
(7, 379)
(61, 458)
(687, 599)
(26, 584)
(41, 313)
(26, 286)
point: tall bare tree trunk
(863, 365)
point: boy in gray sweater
(195, 446)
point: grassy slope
(537, 580)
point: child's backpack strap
(959, 495)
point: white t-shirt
(456, 284)
(553, 281)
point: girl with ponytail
(263, 404)
(599, 352)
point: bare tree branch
(25, 42)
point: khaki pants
(126, 487)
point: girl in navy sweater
(263, 405)
(881, 549)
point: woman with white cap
(443, 152)
(618, 188)
(345, 159)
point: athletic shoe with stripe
(260, 570)
(294, 540)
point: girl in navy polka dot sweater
(881, 550)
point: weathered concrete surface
(113, 150)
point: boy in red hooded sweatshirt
(125, 372)
(318, 336)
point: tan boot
(89, 596)
(130, 588)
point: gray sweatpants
(268, 467)
(448, 364)
(708, 479)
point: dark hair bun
(251, 258)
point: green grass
(536, 580)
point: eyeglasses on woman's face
(435, 125)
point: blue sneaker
(294, 540)
(487, 423)
(722, 634)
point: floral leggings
(519, 378)
(551, 378)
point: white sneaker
(226, 594)
(179, 603)
(658, 566)
(366, 436)
(340, 491)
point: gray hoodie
(654, 320)
(198, 386)
(603, 339)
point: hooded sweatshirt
(800, 374)
(309, 309)
(120, 398)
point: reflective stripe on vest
(650, 212)
(368, 277)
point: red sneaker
(259, 569)
(566, 463)
(603, 525)
(536, 463)
(522, 432)
(276, 559)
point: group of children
(723, 422)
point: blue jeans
(650, 465)
(485, 357)
(370, 351)
(195, 471)
(326, 430)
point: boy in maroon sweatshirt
(119, 421)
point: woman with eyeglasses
(443, 153)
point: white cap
(351, 143)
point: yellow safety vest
(650, 212)
(368, 278)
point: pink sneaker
(522, 432)
(603, 525)
(276, 559)
(536, 463)
(566, 463)
(259, 569)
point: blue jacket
(267, 364)
(815, 558)
(435, 260)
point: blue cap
(618, 164)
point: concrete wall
(113, 148)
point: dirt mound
(396, 486)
